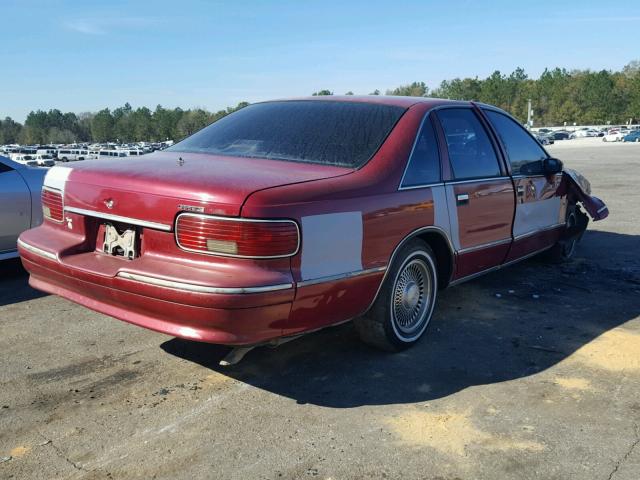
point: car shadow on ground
(507, 325)
(14, 283)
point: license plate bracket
(120, 244)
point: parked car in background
(112, 153)
(634, 136)
(50, 151)
(584, 133)
(288, 216)
(72, 155)
(613, 136)
(20, 208)
(44, 160)
(544, 139)
(560, 135)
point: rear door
(540, 208)
(479, 192)
(15, 207)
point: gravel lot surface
(530, 372)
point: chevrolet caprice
(289, 216)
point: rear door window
(424, 165)
(524, 153)
(471, 152)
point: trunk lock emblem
(109, 203)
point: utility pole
(529, 114)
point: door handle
(462, 199)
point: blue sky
(85, 55)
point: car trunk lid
(154, 188)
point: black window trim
(490, 134)
(5, 167)
(425, 118)
(502, 147)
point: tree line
(558, 96)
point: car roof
(398, 101)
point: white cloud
(105, 25)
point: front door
(540, 209)
(480, 195)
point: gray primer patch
(532, 216)
(440, 209)
(453, 216)
(331, 244)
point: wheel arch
(442, 248)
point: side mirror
(551, 166)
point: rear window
(332, 133)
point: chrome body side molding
(38, 251)
(341, 276)
(497, 267)
(189, 287)
(484, 245)
(118, 218)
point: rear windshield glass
(327, 132)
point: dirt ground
(530, 372)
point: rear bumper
(224, 315)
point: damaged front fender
(579, 188)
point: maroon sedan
(289, 216)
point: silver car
(20, 203)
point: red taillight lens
(52, 204)
(237, 238)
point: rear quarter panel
(353, 222)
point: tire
(403, 309)
(563, 250)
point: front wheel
(401, 313)
(576, 224)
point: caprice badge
(191, 208)
(109, 203)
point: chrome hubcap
(411, 296)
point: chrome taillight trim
(236, 219)
(59, 192)
(119, 218)
(38, 251)
(190, 287)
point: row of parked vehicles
(546, 136)
(48, 155)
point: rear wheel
(401, 313)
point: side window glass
(524, 153)
(5, 168)
(424, 164)
(470, 151)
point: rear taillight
(52, 204)
(237, 237)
